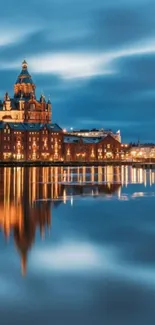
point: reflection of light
(122, 175)
(138, 194)
(145, 179)
(64, 196)
(150, 176)
(72, 201)
(126, 176)
(119, 192)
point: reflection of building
(28, 194)
(20, 214)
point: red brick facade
(107, 148)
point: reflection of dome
(24, 241)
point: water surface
(77, 246)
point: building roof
(30, 126)
(54, 127)
(33, 126)
(76, 139)
(16, 126)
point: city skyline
(95, 60)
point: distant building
(143, 152)
(96, 133)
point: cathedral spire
(24, 65)
(24, 83)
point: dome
(24, 76)
(24, 83)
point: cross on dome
(24, 65)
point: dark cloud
(124, 100)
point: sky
(95, 59)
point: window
(4, 130)
(4, 138)
(108, 146)
(29, 147)
(29, 139)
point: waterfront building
(91, 149)
(142, 152)
(31, 141)
(96, 133)
(27, 132)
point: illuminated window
(108, 146)
(30, 139)
(4, 138)
(4, 130)
(29, 147)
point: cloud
(68, 257)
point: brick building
(27, 132)
(31, 141)
(91, 149)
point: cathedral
(24, 107)
(27, 132)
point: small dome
(24, 76)
(24, 64)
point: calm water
(77, 246)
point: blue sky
(96, 60)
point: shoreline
(135, 164)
